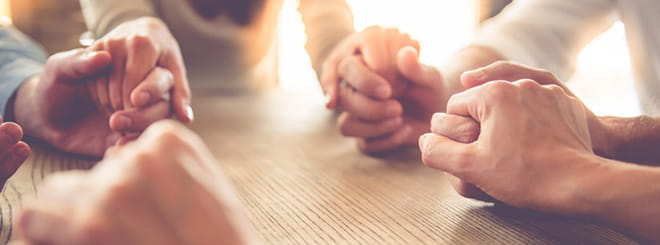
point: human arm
(539, 139)
(103, 16)
(164, 188)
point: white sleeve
(327, 23)
(102, 16)
(548, 34)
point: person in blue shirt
(52, 99)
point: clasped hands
(87, 100)
(513, 122)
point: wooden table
(303, 183)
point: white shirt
(549, 34)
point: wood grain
(303, 183)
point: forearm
(626, 196)
(102, 16)
(634, 139)
(327, 23)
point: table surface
(303, 183)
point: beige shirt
(550, 34)
(220, 54)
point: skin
(383, 123)
(58, 107)
(138, 47)
(164, 188)
(540, 139)
(13, 151)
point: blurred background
(603, 79)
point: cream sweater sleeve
(102, 16)
(547, 34)
(327, 22)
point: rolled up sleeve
(20, 58)
(548, 34)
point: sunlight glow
(602, 80)
(5, 12)
(441, 26)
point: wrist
(25, 112)
(604, 138)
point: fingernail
(125, 122)
(477, 74)
(422, 140)
(189, 113)
(383, 91)
(89, 54)
(437, 117)
(144, 98)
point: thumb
(445, 154)
(75, 65)
(410, 67)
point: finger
(76, 65)
(140, 61)
(127, 138)
(158, 83)
(391, 142)
(181, 95)
(138, 119)
(468, 190)
(447, 155)
(509, 71)
(476, 101)
(12, 160)
(10, 134)
(365, 81)
(103, 95)
(458, 128)
(354, 127)
(414, 71)
(373, 49)
(117, 48)
(366, 108)
(329, 78)
(40, 224)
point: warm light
(5, 12)
(603, 79)
(441, 26)
(444, 26)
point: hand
(601, 137)
(164, 188)
(58, 106)
(13, 152)
(529, 149)
(138, 47)
(385, 124)
(367, 57)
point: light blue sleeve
(20, 58)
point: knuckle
(141, 43)
(528, 83)
(499, 90)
